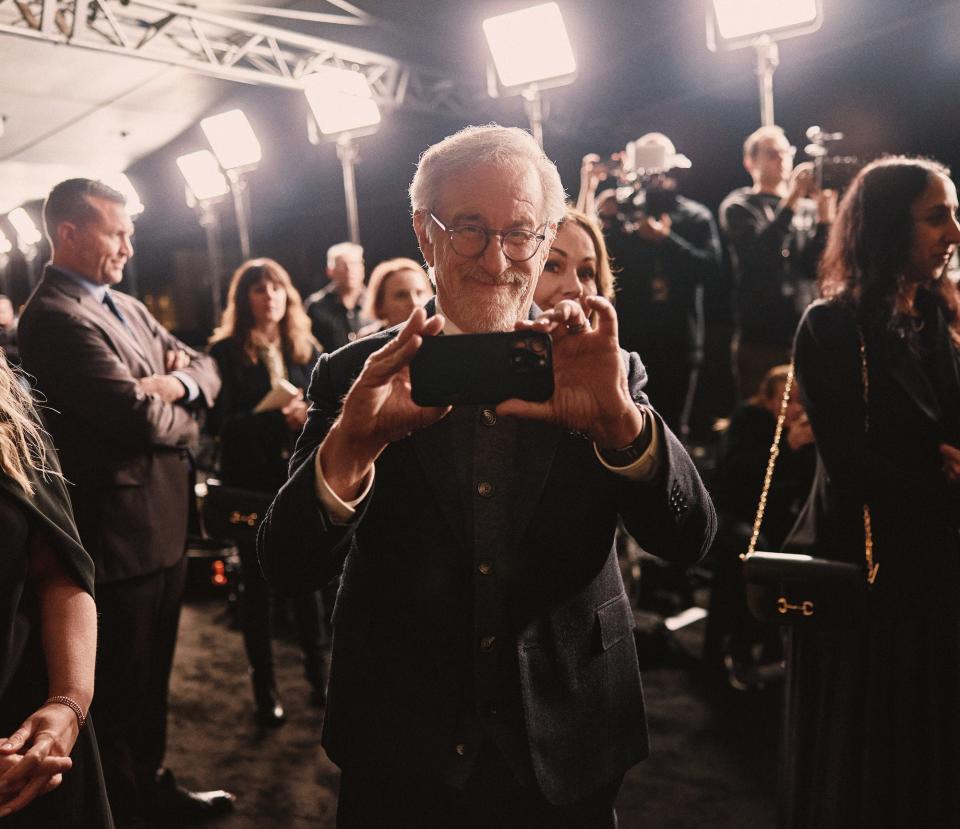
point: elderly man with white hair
(484, 671)
(335, 311)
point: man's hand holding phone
(378, 409)
(591, 394)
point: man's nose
(126, 247)
(493, 258)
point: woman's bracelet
(73, 705)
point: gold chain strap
(771, 463)
(872, 566)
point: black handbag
(232, 514)
(795, 589)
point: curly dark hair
(870, 244)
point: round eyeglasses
(470, 241)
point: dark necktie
(108, 301)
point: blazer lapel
(536, 447)
(131, 333)
(906, 369)
(445, 451)
(99, 314)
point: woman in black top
(50, 771)
(877, 707)
(264, 338)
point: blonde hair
(21, 439)
(605, 280)
(237, 320)
(377, 286)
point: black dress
(81, 800)
(876, 709)
(254, 451)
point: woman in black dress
(264, 338)
(50, 771)
(876, 709)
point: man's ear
(421, 222)
(66, 233)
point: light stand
(759, 24)
(530, 51)
(533, 106)
(343, 109)
(768, 59)
(349, 155)
(210, 221)
(206, 187)
(28, 242)
(241, 206)
(237, 151)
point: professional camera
(645, 177)
(833, 172)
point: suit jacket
(481, 597)
(895, 466)
(254, 448)
(125, 452)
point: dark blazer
(254, 448)
(125, 452)
(896, 466)
(468, 613)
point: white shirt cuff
(191, 385)
(646, 466)
(340, 511)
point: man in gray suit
(123, 395)
(484, 670)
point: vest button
(488, 417)
(487, 642)
(461, 749)
(485, 567)
(484, 489)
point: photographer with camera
(665, 247)
(776, 230)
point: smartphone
(482, 369)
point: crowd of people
(483, 669)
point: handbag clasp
(237, 517)
(784, 607)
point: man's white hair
(334, 252)
(509, 147)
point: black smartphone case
(482, 369)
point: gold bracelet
(73, 705)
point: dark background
(885, 72)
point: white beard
(480, 307)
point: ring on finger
(577, 328)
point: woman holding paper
(265, 352)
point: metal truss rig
(225, 47)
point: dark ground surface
(713, 761)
